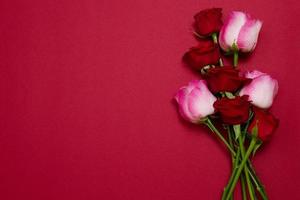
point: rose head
(233, 111)
(195, 101)
(266, 124)
(224, 79)
(262, 89)
(208, 21)
(239, 31)
(206, 53)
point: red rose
(225, 79)
(266, 123)
(208, 21)
(233, 111)
(206, 53)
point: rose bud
(195, 101)
(206, 53)
(239, 32)
(224, 79)
(262, 89)
(208, 21)
(266, 124)
(233, 111)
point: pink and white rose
(239, 32)
(195, 101)
(262, 89)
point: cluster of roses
(240, 101)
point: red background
(86, 101)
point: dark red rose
(206, 53)
(233, 111)
(266, 123)
(225, 79)
(208, 21)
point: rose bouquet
(239, 101)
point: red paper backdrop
(86, 101)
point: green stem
(235, 58)
(235, 167)
(251, 172)
(243, 186)
(232, 146)
(215, 38)
(259, 186)
(215, 130)
(237, 129)
(240, 168)
(234, 170)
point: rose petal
(231, 29)
(261, 91)
(248, 35)
(201, 102)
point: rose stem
(235, 58)
(215, 130)
(259, 186)
(251, 172)
(237, 129)
(230, 95)
(241, 167)
(244, 193)
(232, 146)
(215, 39)
(235, 167)
(243, 186)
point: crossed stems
(240, 163)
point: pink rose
(262, 89)
(239, 32)
(195, 101)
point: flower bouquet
(238, 101)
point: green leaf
(237, 131)
(229, 95)
(258, 144)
